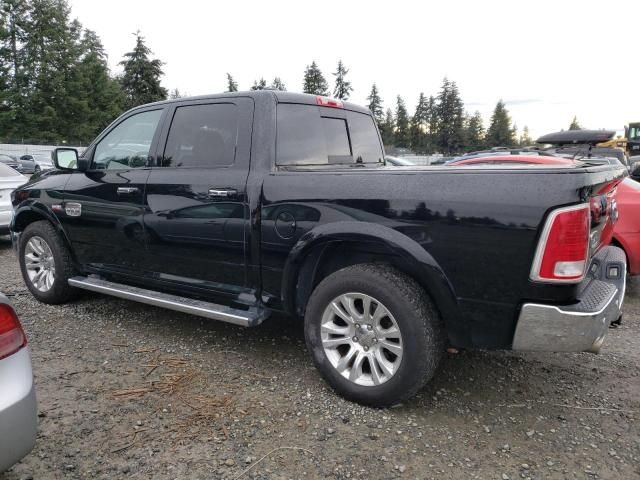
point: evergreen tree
(277, 84)
(402, 135)
(419, 125)
(474, 132)
(574, 124)
(101, 92)
(500, 133)
(375, 105)
(259, 84)
(525, 139)
(314, 82)
(387, 129)
(343, 87)
(450, 125)
(141, 78)
(232, 85)
(14, 23)
(432, 126)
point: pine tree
(432, 126)
(101, 92)
(343, 87)
(500, 133)
(375, 105)
(141, 78)
(232, 85)
(14, 19)
(402, 136)
(314, 82)
(419, 125)
(259, 84)
(474, 132)
(450, 129)
(277, 84)
(387, 129)
(574, 124)
(525, 139)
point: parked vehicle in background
(18, 409)
(28, 165)
(236, 205)
(583, 144)
(398, 161)
(10, 162)
(10, 179)
(626, 233)
(41, 162)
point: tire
(40, 244)
(389, 375)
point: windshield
(7, 171)
(634, 133)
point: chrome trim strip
(248, 318)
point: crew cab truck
(238, 205)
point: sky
(547, 60)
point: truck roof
(278, 95)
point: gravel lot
(130, 391)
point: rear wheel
(45, 263)
(373, 334)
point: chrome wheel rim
(361, 339)
(39, 263)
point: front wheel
(46, 263)
(374, 334)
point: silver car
(18, 410)
(10, 179)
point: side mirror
(67, 159)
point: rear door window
(311, 135)
(202, 136)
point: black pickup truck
(236, 206)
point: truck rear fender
(334, 244)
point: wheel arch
(331, 247)
(27, 214)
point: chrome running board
(246, 318)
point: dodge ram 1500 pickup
(238, 205)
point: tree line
(56, 87)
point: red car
(626, 231)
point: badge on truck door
(73, 209)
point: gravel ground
(130, 391)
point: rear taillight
(12, 337)
(563, 251)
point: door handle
(127, 190)
(222, 192)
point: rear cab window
(310, 135)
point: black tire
(60, 291)
(423, 335)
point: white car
(10, 179)
(42, 162)
(18, 408)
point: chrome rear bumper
(580, 327)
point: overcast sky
(548, 60)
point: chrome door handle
(222, 192)
(127, 190)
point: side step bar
(246, 318)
